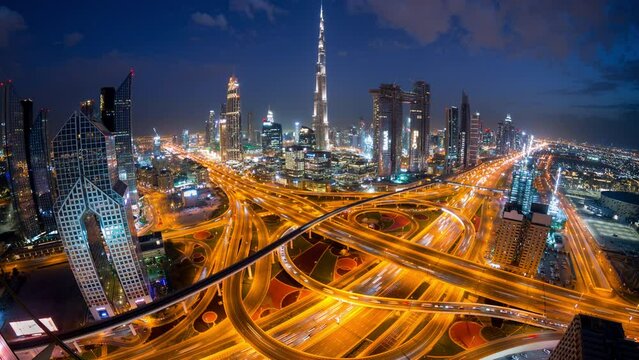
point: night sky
(565, 68)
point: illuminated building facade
(521, 189)
(317, 165)
(472, 153)
(521, 239)
(123, 137)
(17, 154)
(464, 131)
(209, 130)
(233, 120)
(506, 136)
(387, 129)
(94, 219)
(271, 135)
(320, 109)
(451, 140)
(39, 169)
(307, 138)
(419, 100)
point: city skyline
(596, 86)
(163, 219)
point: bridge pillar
(132, 330)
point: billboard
(29, 327)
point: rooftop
(628, 197)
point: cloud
(589, 88)
(10, 21)
(72, 39)
(252, 7)
(545, 28)
(625, 107)
(626, 71)
(205, 19)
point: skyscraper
(249, 128)
(320, 109)
(296, 132)
(464, 131)
(419, 126)
(506, 136)
(186, 140)
(521, 239)
(521, 188)
(233, 117)
(39, 171)
(87, 107)
(591, 338)
(451, 142)
(107, 107)
(209, 128)
(472, 152)
(14, 113)
(271, 135)
(95, 220)
(387, 129)
(123, 137)
(307, 138)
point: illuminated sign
(385, 140)
(189, 193)
(415, 137)
(29, 327)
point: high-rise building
(271, 135)
(39, 169)
(419, 126)
(591, 338)
(387, 129)
(186, 140)
(121, 131)
(521, 239)
(307, 138)
(296, 132)
(464, 131)
(472, 146)
(233, 134)
(17, 153)
(294, 161)
(521, 189)
(506, 136)
(107, 107)
(249, 128)
(209, 129)
(317, 165)
(320, 109)
(87, 107)
(94, 219)
(451, 141)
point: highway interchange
(334, 318)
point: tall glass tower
(95, 220)
(232, 114)
(464, 132)
(123, 137)
(39, 170)
(387, 129)
(451, 141)
(320, 109)
(17, 153)
(419, 100)
(521, 190)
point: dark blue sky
(562, 68)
